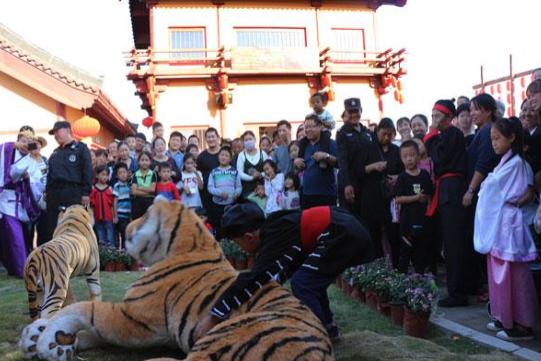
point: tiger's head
(167, 228)
(75, 213)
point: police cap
(352, 105)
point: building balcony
(245, 62)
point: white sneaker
(515, 335)
(495, 326)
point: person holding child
(501, 233)
(250, 163)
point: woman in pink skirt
(503, 236)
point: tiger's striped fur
(164, 306)
(72, 251)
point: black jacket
(357, 149)
(70, 166)
(280, 255)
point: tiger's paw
(30, 336)
(56, 345)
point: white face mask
(249, 145)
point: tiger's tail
(31, 281)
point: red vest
(313, 222)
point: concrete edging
(485, 339)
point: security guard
(361, 165)
(69, 180)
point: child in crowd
(143, 186)
(258, 196)
(122, 202)
(290, 196)
(192, 149)
(101, 158)
(274, 185)
(165, 187)
(191, 183)
(413, 191)
(101, 200)
(130, 141)
(501, 233)
(225, 187)
(317, 102)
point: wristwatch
(471, 190)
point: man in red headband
(447, 148)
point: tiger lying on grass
(188, 274)
(72, 251)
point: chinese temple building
(239, 65)
(37, 89)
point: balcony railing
(238, 61)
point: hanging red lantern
(86, 127)
(499, 88)
(399, 85)
(509, 98)
(396, 95)
(380, 104)
(223, 81)
(148, 121)
(326, 80)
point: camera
(32, 146)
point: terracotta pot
(241, 264)
(371, 300)
(119, 267)
(384, 308)
(357, 294)
(110, 267)
(347, 288)
(134, 266)
(251, 262)
(415, 323)
(397, 313)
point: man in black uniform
(311, 246)
(446, 147)
(361, 175)
(69, 180)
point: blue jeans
(105, 232)
(310, 287)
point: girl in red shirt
(101, 200)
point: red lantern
(86, 127)
(509, 98)
(499, 88)
(326, 80)
(223, 81)
(396, 95)
(148, 121)
(399, 85)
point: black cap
(242, 218)
(352, 104)
(59, 125)
(141, 136)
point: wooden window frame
(186, 61)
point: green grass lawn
(368, 336)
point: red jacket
(102, 204)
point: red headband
(443, 109)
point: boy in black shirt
(311, 246)
(413, 190)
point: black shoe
(453, 302)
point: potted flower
(121, 260)
(397, 287)
(107, 259)
(381, 287)
(421, 297)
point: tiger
(72, 251)
(188, 273)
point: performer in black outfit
(446, 146)
(312, 247)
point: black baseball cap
(352, 104)
(242, 218)
(61, 124)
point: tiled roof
(46, 62)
